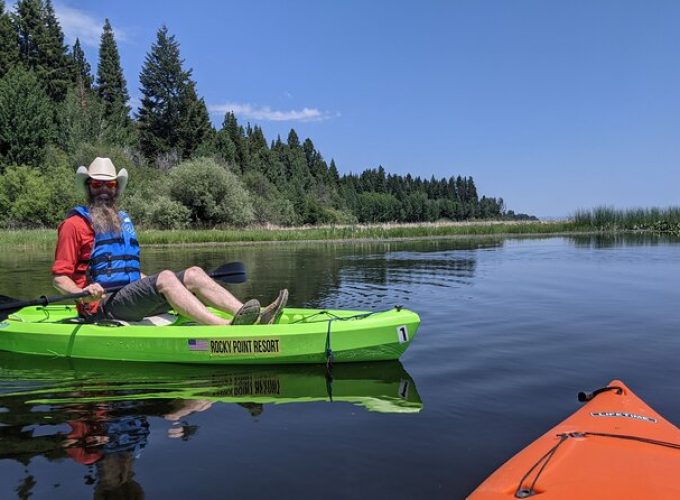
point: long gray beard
(104, 215)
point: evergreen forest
(58, 112)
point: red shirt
(74, 245)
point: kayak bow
(616, 446)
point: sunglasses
(95, 184)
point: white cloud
(265, 113)
(79, 24)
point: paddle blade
(8, 305)
(231, 272)
(6, 301)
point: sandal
(248, 314)
(273, 311)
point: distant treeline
(55, 115)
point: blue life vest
(126, 433)
(114, 259)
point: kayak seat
(158, 320)
(82, 321)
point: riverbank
(45, 238)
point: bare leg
(209, 292)
(184, 302)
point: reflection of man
(83, 444)
(95, 435)
(183, 409)
(116, 474)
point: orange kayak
(615, 446)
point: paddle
(231, 272)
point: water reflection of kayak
(380, 387)
(300, 336)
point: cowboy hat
(101, 169)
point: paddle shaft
(232, 272)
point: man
(97, 246)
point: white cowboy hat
(101, 169)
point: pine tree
(225, 146)
(9, 50)
(30, 29)
(237, 135)
(257, 140)
(60, 74)
(259, 156)
(111, 85)
(293, 140)
(81, 119)
(41, 45)
(333, 173)
(195, 128)
(112, 89)
(230, 125)
(310, 153)
(26, 118)
(82, 72)
(166, 99)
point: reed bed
(350, 232)
(46, 238)
(665, 220)
(596, 220)
(28, 238)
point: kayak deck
(300, 336)
(616, 446)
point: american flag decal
(198, 345)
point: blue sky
(552, 105)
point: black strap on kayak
(329, 350)
(330, 358)
(521, 492)
(329, 384)
(587, 396)
(640, 439)
(334, 317)
(530, 491)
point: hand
(95, 290)
(188, 407)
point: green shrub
(165, 213)
(31, 198)
(211, 192)
(377, 207)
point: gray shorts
(137, 300)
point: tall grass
(634, 219)
(46, 238)
(352, 232)
(28, 238)
(598, 219)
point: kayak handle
(587, 396)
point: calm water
(511, 330)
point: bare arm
(66, 285)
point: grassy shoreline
(586, 223)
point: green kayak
(300, 336)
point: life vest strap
(113, 270)
(107, 258)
